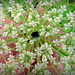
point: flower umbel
(34, 42)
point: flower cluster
(2, 15)
(16, 11)
(27, 58)
(69, 63)
(9, 67)
(39, 40)
(40, 69)
(10, 31)
(69, 41)
(4, 47)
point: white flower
(45, 17)
(60, 16)
(5, 34)
(14, 28)
(2, 15)
(16, 11)
(11, 66)
(29, 18)
(31, 41)
(14, 34)
(58, 64)
(38, 51)
(12, 2)
(37, 15)
(46, 24)
(13, 72)
(57, 20)
(56, 42)
(64, 47)
(44, 58)
(55, 31)
(50, 19)
(63, 8)
(26, 58)
(65, 59)
(70, 50)
(42, 33)
(11, 58)
(47, 34)
(24, 45)
(39, 67)
(73, 58)
(52, 59)
(46, 72)
(70, 15)
(67, 67)
(63, 38)
(67, 26)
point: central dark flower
(35, 34)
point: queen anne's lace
(37, 35)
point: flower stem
(63, 52)
(54, 68)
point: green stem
(22, 20)
(67, 2)
(51, 38)
(2, 55)
(32, 47)
(24, 17)
(28, 71)
(63, 52)
(58, 52)
(10, 39)
(54, 68)
(12, 20)
(5, 3)
(38, 57)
